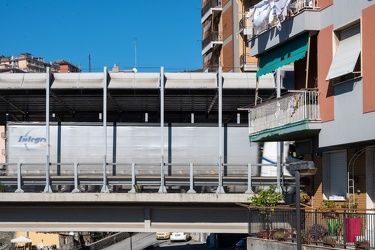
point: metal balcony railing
(342, 228)
(210, 4)
(246, 25)
(214, 36)
(291, 108)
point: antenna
(135, 52)
(89, 63)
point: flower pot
(329, 245)
(353, 228)
(262, 235)
(360, 245)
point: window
(346, 64)
(335, 175)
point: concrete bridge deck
(131, 212)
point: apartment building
(66, 67)
(226, 28)
(331, 113)
(28, 63)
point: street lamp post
(302, 168)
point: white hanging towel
(261, 12)
(282, 7)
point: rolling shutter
(338, 174)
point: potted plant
(263, 234)
(329, 241)
(317, 232)
(281, 235)
(304, 197)
(266, 197)
(362, 244)
(328, 209)
(305, 237)
(263, 199)
(334, 226)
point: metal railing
(90, 176)
(246, 25)
(214, 36)
(210, 4)
(291, 108)
(341, 228)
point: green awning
(284, 54)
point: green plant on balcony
(317, 232)
(304, 197)
(266, 197)
(329, 241)
(305, 237)
(328, 209)
(334, 226)
(281, 235)
(351, 205)
(362, 244)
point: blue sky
(146, 34)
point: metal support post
(220, 189)
(47, 188)
(162, 188)
(19, 189)
(191, 190)
(76, 190)
(105, 186)
(133, 190)
(298, 210)
(249, 179)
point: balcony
(213, 7)
(295, 116)
(246, 25)
(247, 64)
(301, 18)
(213, 40)
(35, 65)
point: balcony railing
(246, 25)
(214, 36)
(291, 108)
(344, 228)
(210, 4)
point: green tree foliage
(266, 197)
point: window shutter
(338, 173)
(351, 31)
(326, 176)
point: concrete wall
(261, 244)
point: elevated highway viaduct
(130, 212)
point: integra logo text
(28, 139)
